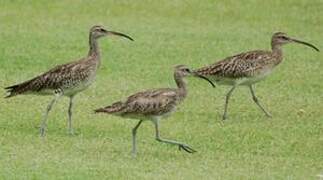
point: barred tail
(18, 89)
(114, 108)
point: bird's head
(98, 31)
(184, 71)
(281, 38)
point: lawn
(37, 35)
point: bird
(67, 79)
(248, 68)
(153, 105)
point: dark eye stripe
(100, 29)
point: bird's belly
(250, 80)
(148, 116)
(68, 87)
(224, 81)
(254, 79)
(242, 80)
(77, 87)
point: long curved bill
(119, 34)
(205, 78)
(305, 43)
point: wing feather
(145, 103)
(55, 78)
(240, 65)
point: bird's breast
(76, 85)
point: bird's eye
(187, 70)
(284, 37)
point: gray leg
(227, 103)
(70, 129)
(255, 99)
(134, 133)
(43, 124)
(183, 146)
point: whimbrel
(67, 79)
(248, 68)
(153, 105)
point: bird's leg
(255, 99)
(183, 146)
(227, 103)
(43, 124)
(70, 129)
(134, 133)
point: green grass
(37, 35)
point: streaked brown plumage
(153, 105)
(148, 103)
(67, 79)
(248, 68)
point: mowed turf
(35, 36)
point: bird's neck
(94, 48)
(277, 52)
(181, 84)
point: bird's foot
(186, 148)
(134, 154)
(71, 132)
(42, 132)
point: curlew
(248, 68)
(67, 79)
(153, 105)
